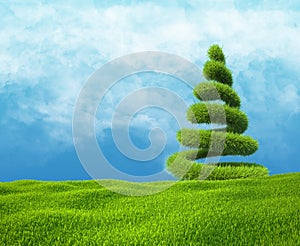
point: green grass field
(261, 211)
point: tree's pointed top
(215, 53)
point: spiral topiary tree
(224, 138)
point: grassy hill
(262, 211)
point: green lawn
(261, 211)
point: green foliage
(217, 71)
(261, 211)
(227, 170)
(224, 140)
(235, 120)
(215, 53)
(211, 90)
(234, 144)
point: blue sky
(49, 49)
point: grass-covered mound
(261, 211)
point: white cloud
(290, 98)
(57, 46)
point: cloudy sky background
(49, 49)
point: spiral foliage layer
(220, 106)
